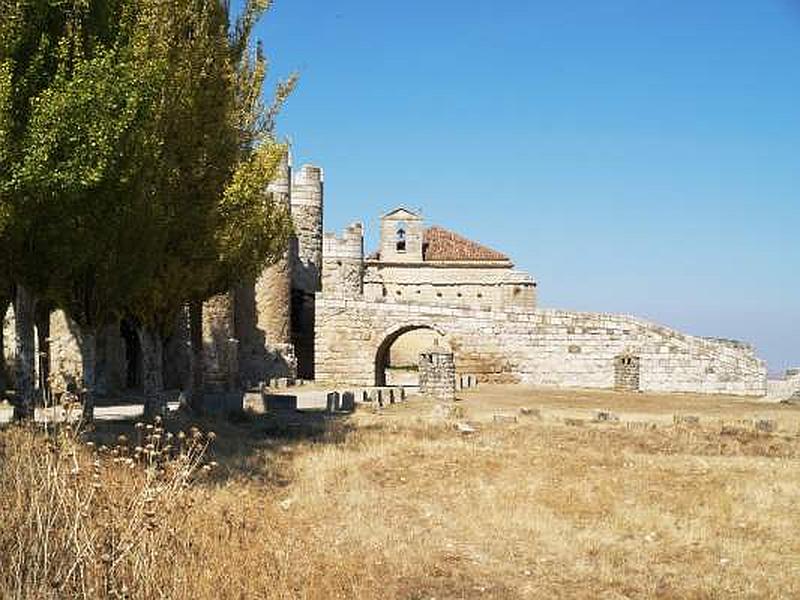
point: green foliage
(5, 141)
(85, 183)
(254, 229)
(136, 151)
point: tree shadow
(247, 446)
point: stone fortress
(329, 312)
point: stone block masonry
(786, 388)
(544, 347)
(326, 311)
(486, 312)
(437, 374)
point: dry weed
(402, 505)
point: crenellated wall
(324, 311)
(343, 262)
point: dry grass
(401, 505)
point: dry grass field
(401, 504)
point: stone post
(437, 373)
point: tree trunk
(43, 332)
(4, 302)
(152, 371)
(88, 345)
(196, 358)
(24, 307)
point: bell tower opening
(400, 237)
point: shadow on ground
(248, 446)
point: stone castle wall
(468, 285)
(787, 388)
(543, 347)
(326, 313)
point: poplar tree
(220, 154)
(29, 33)
(140, 161)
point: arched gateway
(387, 348)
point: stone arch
(389, 337)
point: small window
(458, 294)
(480, 295)
(438, 294)
(400, 238)
(399, 293)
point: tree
(223, 227)
(140, 161)
(29, 32)
(86, 179)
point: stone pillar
(177, 353)
(437, 373)
(66, 370)
(25, 338)
(220, 347)
(626, 372)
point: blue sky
(636, 156)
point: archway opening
(397, 359)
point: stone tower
(306, 263)
(343, 263)
(263, 317)
(306, 204)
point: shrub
(87, 521)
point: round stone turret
(307, 204)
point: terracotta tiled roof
(439, 244)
